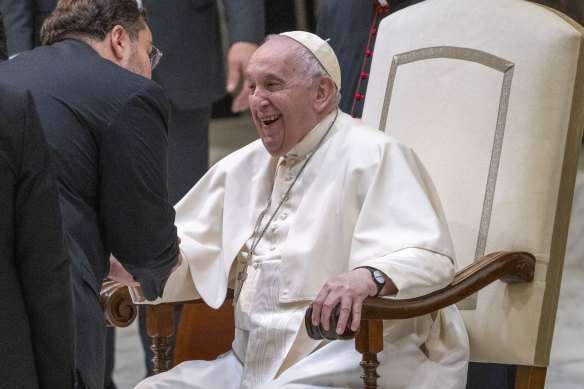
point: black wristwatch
(378, 278)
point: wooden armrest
(120, 311)
(118, 308)
(510, 267)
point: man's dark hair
(92, 20)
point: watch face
(379, 277)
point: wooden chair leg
(369, 342)
(530, 377)
(160, 327)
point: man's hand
(118, 273)
(178, 263)
(237, 58)
(348, 289)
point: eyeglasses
(154, 54)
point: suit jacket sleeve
(42, 263)
(245, 20)
(18, 24)
(137, 220)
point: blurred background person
(192, 73)
(23, 20)
(351, 27)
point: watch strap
(379, 284)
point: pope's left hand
(348, 289)
(237, 59)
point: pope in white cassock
(303, 217)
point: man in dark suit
(23, 20)
(106, 123)
(37, 347)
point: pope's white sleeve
(415, 272)
(179, 287)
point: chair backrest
(488, 93)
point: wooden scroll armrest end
(118, 308)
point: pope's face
(280, 97)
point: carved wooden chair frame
(509, 267)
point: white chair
(489, 95)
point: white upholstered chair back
(487, 92)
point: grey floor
(566, 370)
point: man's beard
(136, 66)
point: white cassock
(363, 199)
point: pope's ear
(324, 93)
(118, 40)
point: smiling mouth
(267, 120)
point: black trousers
(490, 376)
(110, 361)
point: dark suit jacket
(3, 51)
(23, 20)
(191, 70)
(36, 313)
(107, 128)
